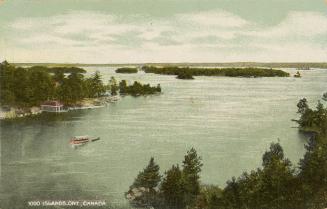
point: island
(31, 90)
(126, 70)
(297, 75)
(137, 88)
(229, 72)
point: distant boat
(81, 140)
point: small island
(249, 72)
(126, 70)
(137, 88)
(297, 75)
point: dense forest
(230, 72)
(26, 87)
(278, 184)
(126, 70)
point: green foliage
(113, 86)
(185, 75)
(142, 192)
(191, 175)
(149, 177)
(312, 120)
(209, 197)
(23, 87)
(179, 189)
(313, 173)
(230, 72)
(95, 85)
(172, 189)
(58, 69)
(26, 87)
(137, 89)
(126, 70)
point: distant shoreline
(322, 65)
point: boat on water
(81, 140)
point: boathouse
(52, 106)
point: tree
(302, 105)
(313, 174)
(95, 85)
(59, 77)
(231, 195)
(42, 86)
(149, 177)
(76, 87)
(191, 175)
(123, 87)
(172, 189)
(143, 192)
(113, 86)
(320, 119)
(277, 180)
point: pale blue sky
(125, 31)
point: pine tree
(113, 86)
(143, 192)
(191, 176)
(149, 177)
(172, 189)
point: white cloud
(303, 24)
(213, 19)
(195, 37)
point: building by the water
(52, 106)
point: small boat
(80, 140)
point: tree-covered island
(277, 184)
(126, 70)
(229, 72)
(23, 88)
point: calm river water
(229, 121)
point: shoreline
(86, 103)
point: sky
(140, 31)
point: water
(229, 121)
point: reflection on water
(230, 121)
